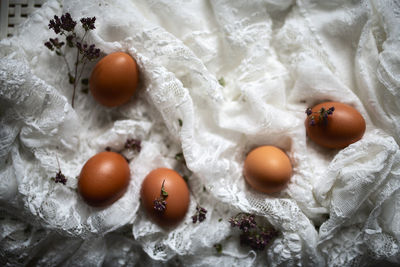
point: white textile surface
(277, 57)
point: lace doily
(341, 207)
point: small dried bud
(70, 40)
(194, 218)
(88, 23)
(55, 24)
(60, 178)
(160, 203)
(133, 144)
(90, 52)
(65, 26)
(322, 115)
(200, 214)
(56, 43)
(252, 235)
(49, 46)
(67, 23)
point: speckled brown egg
(177, 201)
(114, 79)
(104, 179)
(343, 127)
(267, 169)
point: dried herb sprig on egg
(322, 115)
(160, 203)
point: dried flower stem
(60, 177)
(65, 26)
(322, 115)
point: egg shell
(104, 179)
(344, 127)
(267, 169)
(177, 200)
(114, 79)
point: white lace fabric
(341, 207)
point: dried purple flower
(200, 214)
(88, 23)
(244, 221)
(67, 23)
(322, 115)
(252, 235)
(55, 43)
(160, 203)
(133, 144)
(60, 178)
(65, 26)
(90, 52)
(55, 24)
(49, 46)
(258, 240)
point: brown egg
(342, 128)
(114, 79)
(177, 201)
(104, 179)
(267, 169)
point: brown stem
(66, 63)
(83, 67)
(76, 70)
(58, 163)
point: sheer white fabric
(341, 207)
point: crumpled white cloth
(341, 208)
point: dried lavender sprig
(252, 235)
(243, 221)
(88, 23)
(322, 115)
(60, 177)
(65, 26)
(258, 240)
(200, 214)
